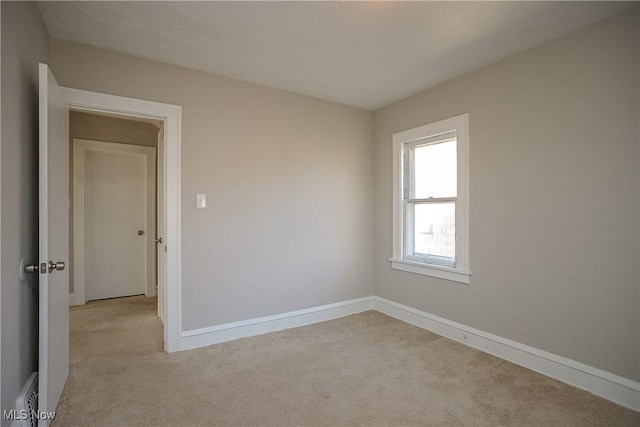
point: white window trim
(461, 272)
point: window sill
(453, 274)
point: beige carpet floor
(362, 370)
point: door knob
(32, 268)
(58, 266)
(140, 232)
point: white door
(53, 357)
(119, 227)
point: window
(430, 200)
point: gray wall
(25, 43)
(554, 197)
(103, 128)
(289, 223)
(111, 129)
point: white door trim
(159, 232)
(171, 115)
(81, 148)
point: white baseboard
(620, 390)
(615, 388)
(231, 331)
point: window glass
(435, 230)
(435, 170)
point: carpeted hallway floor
(367, 369)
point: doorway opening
(165, 238)
(116, 219)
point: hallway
(120, 327)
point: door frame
(160, 259)
(171, 115)
(81, 147)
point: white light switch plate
(201, 201)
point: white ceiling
(365, 54)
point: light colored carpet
(367, 369)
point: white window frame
(401, 260)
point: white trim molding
(404, 257)
(171, 116)
(615, 388)
(452, 274)
(246, 328)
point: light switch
(201, 201)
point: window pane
(435, 230)
(435, 170)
